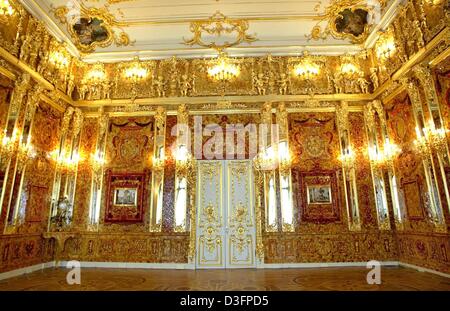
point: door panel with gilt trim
(240, 221)
(225, 215)
(210, 218)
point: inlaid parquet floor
(345, 278)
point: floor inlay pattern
(346, 278)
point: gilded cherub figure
(283, 84)
(374, 78)
(106, 89)
(185, 85)
(260, 83)
(159, 85)
(25, 49)
(70, 86)
(83, 90)
(338, 83)
(363, 84)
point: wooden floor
(347, 278)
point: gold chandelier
(96, 75)
(307, 69)
(5, 8)
(350, 70)
(136, 71)
(223, 69)
(59, 60)
(385, 47)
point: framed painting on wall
(125, 197)
(317, 195)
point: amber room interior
(228, 145)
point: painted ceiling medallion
(219, 25)
(348, 19)
(91, 28)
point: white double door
(225, 215)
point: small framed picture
(125, 196)
(319, 194)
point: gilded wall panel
(37, 183)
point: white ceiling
(158, 27)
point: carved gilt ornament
(218, 25)
(92, 27)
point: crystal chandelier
(223, 69)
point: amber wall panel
(27, 247)
(314, 143)
(418, 244)
(129, 247)
(19, 251)
(129, 149)
(409, 167)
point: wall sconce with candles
(385, 157)
(25, 153)
(97, 75)
(350, 70)
(347, 158)
(65, 163)
(135, 73)
(98, 162)
(158, 162)
(6, 149)
(265, 160)
(273, 157)
(430, 139)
